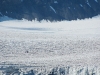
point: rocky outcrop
(50, 9)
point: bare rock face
(50, 9)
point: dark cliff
(50, 9)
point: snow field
(50, 48)
(57, 44)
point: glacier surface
(45, 48)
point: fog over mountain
(49, 9)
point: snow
(6, 12)
(96, 0)
(55, 2)
(81, 5)
(0, 13)
(5, 18)
(56, 44)
(53, 9)
(88, 3)
(68, 7)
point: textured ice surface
(44, 46)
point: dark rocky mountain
(50, 9)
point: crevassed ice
(67, 70)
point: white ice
(56, 43)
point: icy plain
(66, 43)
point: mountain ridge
(49, 9)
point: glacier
(68, 70)
(50, 48)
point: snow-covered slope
(58, 44)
